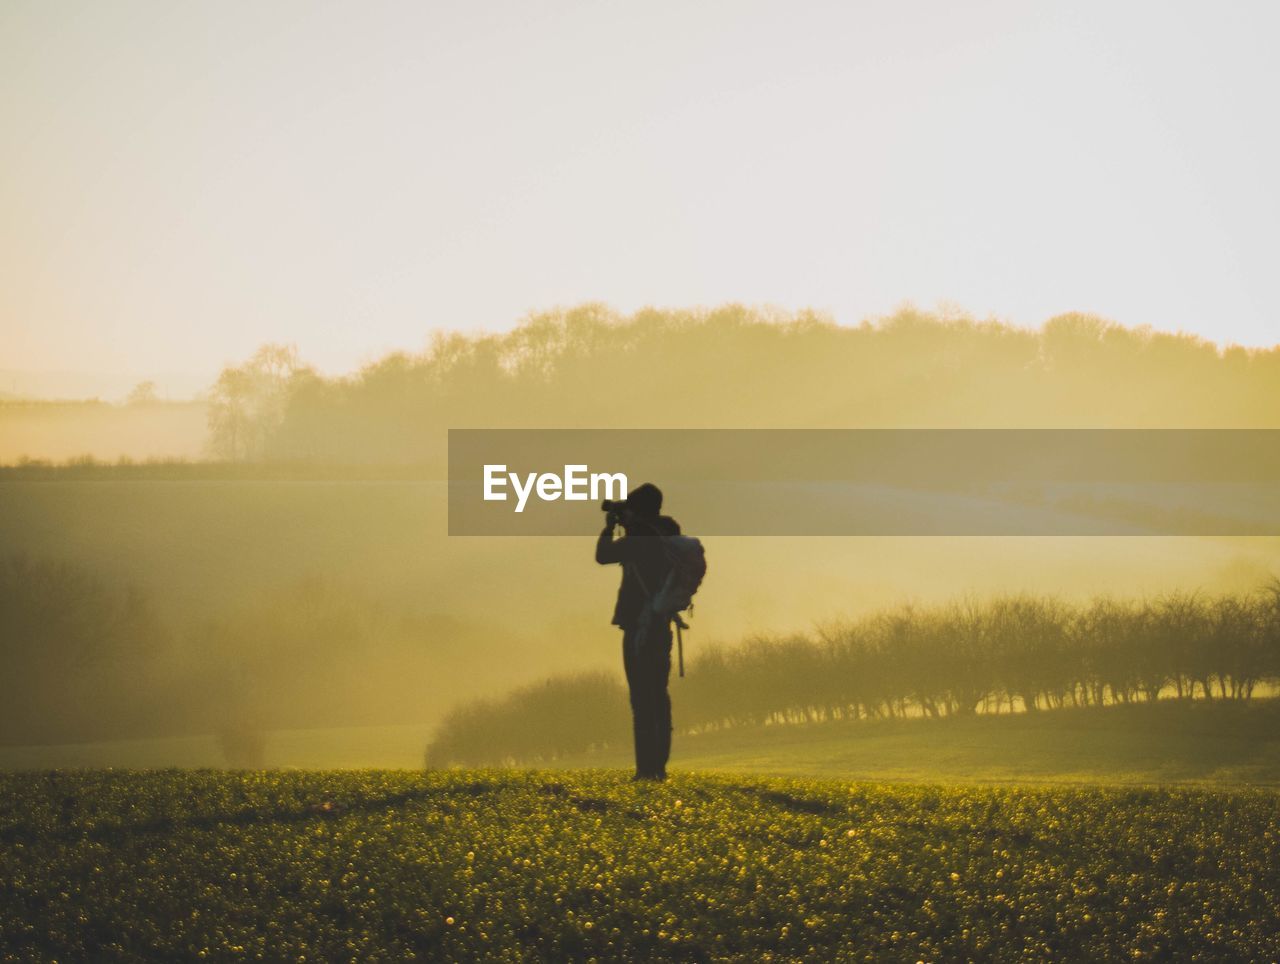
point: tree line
(1015, 653)
(740, 367)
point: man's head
(644, 503)
(645, 500)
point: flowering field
(400, 865)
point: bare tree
(143, 393)
(247, 403)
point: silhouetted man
(646, 636)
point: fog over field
(295, 570)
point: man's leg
(636, 686)
(659, 666)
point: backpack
(688, 567)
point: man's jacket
(645, 565)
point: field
(1207, 742)
(1213, 742)
(401, 865)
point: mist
(275, 558)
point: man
(646, 636)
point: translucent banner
(955, 482)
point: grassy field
(399, 865)
(392, 747)
(1215, 742)
(1207, 742)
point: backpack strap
(639, 578)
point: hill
(1169, 741)
(47, 429)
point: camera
(643, 501)
(613, 511)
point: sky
(183, 182)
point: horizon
(177, 386)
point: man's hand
(607, 548)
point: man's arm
(610, 550)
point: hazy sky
(183, 181)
